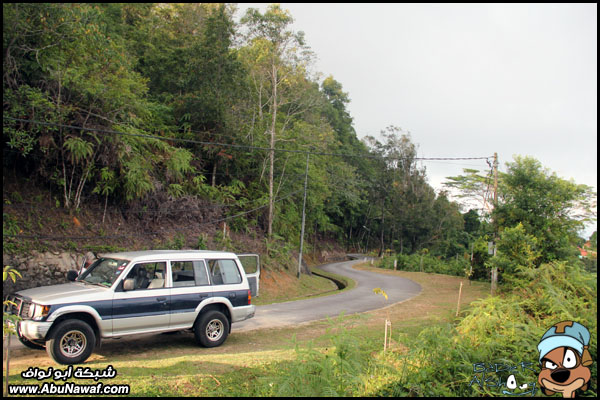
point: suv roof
(171, 254)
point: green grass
(308, 287)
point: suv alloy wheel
(71, 342)
(211, 329)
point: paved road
(359, 299)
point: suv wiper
(94, 283)
(99, 284)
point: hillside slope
(33, 220)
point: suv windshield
(104, 271)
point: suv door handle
(161, 299)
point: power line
(237, 146)
(26, 205)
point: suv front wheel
(71, 342)
(211, 329)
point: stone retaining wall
(42, 269)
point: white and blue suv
(133, 293)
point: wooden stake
(459, 294)
(385, 339)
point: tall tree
(280, 57)
(550, 208)
(474, 187)
(399, 183)
(348, 204)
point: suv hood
(67, 292)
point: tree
(348, 204)
(516, 251)
(398, 188)
(472, 222)
(550, 208)
(475, 187)
(594, 241)
(281, 59)
(63, 68)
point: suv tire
(211, 329)
(71, 342)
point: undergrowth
(503, 330)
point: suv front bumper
(34, 330)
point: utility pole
(303, 217)
(495, 269)
(382, 249)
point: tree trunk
(105, 204)
(214, 174)
(381, 250)
(272, 152)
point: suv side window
(189, 273)
(148, 275)
(224, 272)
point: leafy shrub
(201, 243)
(336, 371)
(177, 243)
(500, 329)
(10, 228)
(427, 263)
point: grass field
(173, 365)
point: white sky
(466, 80)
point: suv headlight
(38, 312)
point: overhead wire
(238, 146)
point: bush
(500, 329)
(427, 263)
(335, 371)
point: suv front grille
(19, 307)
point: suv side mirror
(72, 275)
(128, 284)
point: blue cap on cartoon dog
(565, 334)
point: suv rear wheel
(211, 329)
(71, 342)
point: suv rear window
(189, 273)
(224, 272)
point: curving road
(359, 299)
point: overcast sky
(466, 80)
